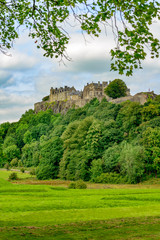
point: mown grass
(122, 229)
(44, 206)
(5, 174)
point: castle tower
(51, 94)
(104, 85)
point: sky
(26, 76)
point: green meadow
(54, 212)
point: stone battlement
(90, 91)
(63, 98)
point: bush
(78, 185)
(33, 171)
(44, 172)
(72, 185)
(20, 163)
(22, 170)
(46, 98)
(13, 176)
(14, 162)
(6, 166)
(113, 178)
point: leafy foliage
(113, 178)
(46, 98)
(132, 160)
(11, 152)
(116, 89)
(13, 176)
(77, 185)
(47, 20)
(101, 142)
(50, 155)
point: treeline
(101, 142)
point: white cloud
(12, 106)
(18, 61)
(27, 76)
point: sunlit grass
(117, 211)
(40, 205)
(5, 174)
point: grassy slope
(45, 206)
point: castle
(63, 98)
(90, 91)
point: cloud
(17, 62)
(5, 78)
(11, 114)
(12, 106)
(27, 76)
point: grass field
(55, 212)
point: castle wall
(93, 90)
(73, 97)
(58, 96)
(122, 99)
(62, 99)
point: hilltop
(64, 98)
(99, 142)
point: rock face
(62, 99)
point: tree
(150, 112)
(4, 129)
(76, 160)
(132, 160)
(111, 158)
(30, 154)
(96, 169)
(46, 20)
(8, 141)
(129, 115)
(11, 152)
(51, 152)
(117, 88)
(151, 142)
(2, 159)
(27, 138)
(93, 141)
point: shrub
(72, 185)
(113, 178)
(13, 176)
(14, 162)
(33, 171)
(80, 184)
(44, 172)
(22, 170)
(20, 163)
(46, 98)
(6, 166)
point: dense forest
(101, 142)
